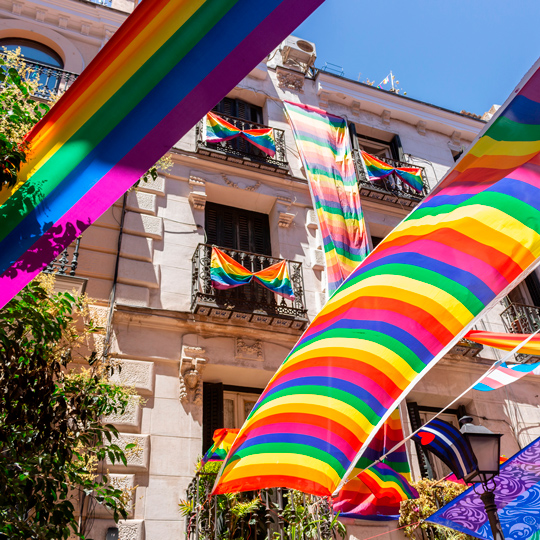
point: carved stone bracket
(355, 108)
(249, 349)
(292, 80)
(421, 127)
(197, 197)
(240, 185)
(191, 364)
(385, 117)
(285, 219)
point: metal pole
(488, 498)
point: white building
(199, 358)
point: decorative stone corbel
(324, 99)
(285, 219)
(355, 108)
(421, 127)
(385, 117)
(191, 364)
(63, 22)
(40, 15)
(85, 29)
(16, 8)
(249, 351)
(197, 197)
(456, 139)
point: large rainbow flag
(219, 130)
(155, 79)
(378, 169)
(323, 142)
(399, 312)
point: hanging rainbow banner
(219, 130)
(505, 342)
(376, 493)
(153, 81)
(323, 142)
(378, 169)
(399, 312)
(226, 273)
(223, 439)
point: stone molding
(197, 197)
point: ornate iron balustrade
(392, 188)
(270, 514)
(521, 319)
(51, 81)
(107, 3)
(239, 150)
(251, 302)
(62, 265)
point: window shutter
(423, 460)
(260, 234)
(533, 284)
(353, 136)
(397, 149)
(212, 412)
(211, 224)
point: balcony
(391, 189)
(240, 151)
(247, 303)
(521, 319)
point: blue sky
(458, 54)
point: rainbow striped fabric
(399, 312)
(219, 130)
(378, 169)
(323, 142)
(226, 273)
(506, 342)
(505, 374)
(121, 116)
(376, 493)
(223, 439)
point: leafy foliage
(241, 516)
(51, 436)
(433, 495)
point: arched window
(33, 51)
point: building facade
(200, 357)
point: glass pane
(228, 414)
(248, 406)
(34, 51)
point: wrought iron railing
(239, 150)
(521, 319)
(251, 302)
(66, 263)
(269, 514)
(107, 3)
(391, 188)
(51, 80)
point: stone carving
(130, 418)
(137, 457)
(125, 482)
(63, 22)
(130, 530)
(250, 351)
(421, 127)
(191, 364)
(17, 8)
(197, 197)
(40, 15)
(136, 373)
(85, 29)
(285, 219)
(292, 80)
(385, 117)
(234, 185)
(355, 108)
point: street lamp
(486, 447)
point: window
(234, 228)
(527, 292)
(236, 408)
(239, 109)
(376, 240)
(33, 51)
(430, 465)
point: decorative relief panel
(292, 80)
(131, 417)
(135, 373)
(137, 457)
(249, 349)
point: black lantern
(486, 446)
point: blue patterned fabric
(517, 497)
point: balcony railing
(66, 263)
(240, 151)
(521, 319)
(251, 302)
(392, 188)
(51, 81)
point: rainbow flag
(150, 84)
(399, 312)
(323, 142)
(219, 130)
(226, 273)
(223, 439)
(378, 169)
(377, 493)
(505, 374)
(505, 342)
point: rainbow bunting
(505, 342)
(219, 130)
(399, 312)
(223, 439)
(153, 81)
(323, 142)
(226, 273)
(378, 169)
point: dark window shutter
(533, 284)
(212, 412)
(397, 149)
(376, 240)
(260, 232)
(353, 136)
(423, 460)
